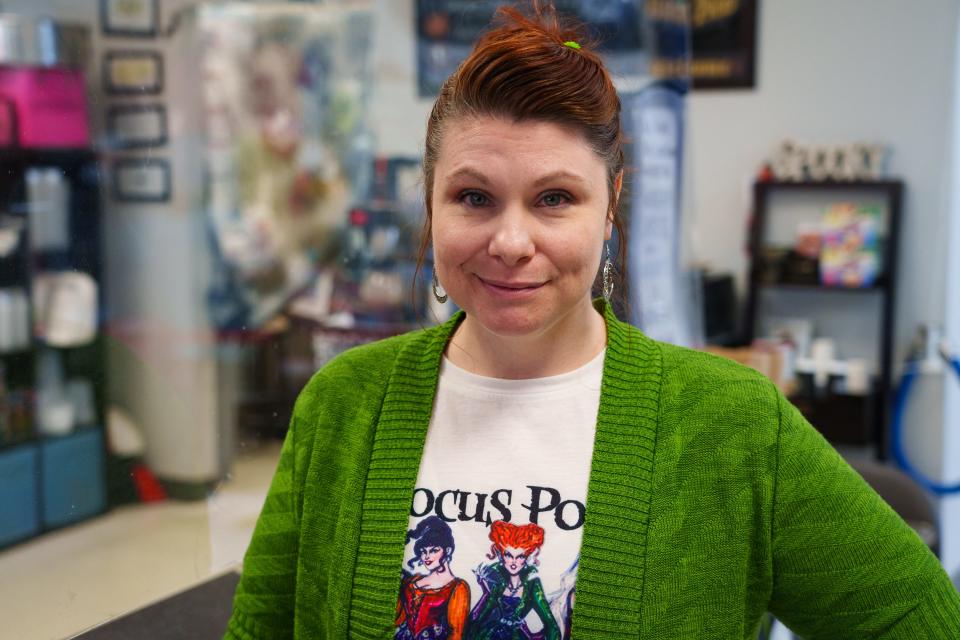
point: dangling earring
(438, 291)
(607, 275)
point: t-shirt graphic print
(496, 521)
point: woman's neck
(568, 344)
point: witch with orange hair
(512, 588)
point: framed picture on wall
(140, 180)
(132, 73)
(135, 126)
(723, 35)
(130, 18)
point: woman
(701, 499)
(511, 587)
(432, 606)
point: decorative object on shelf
(137, 126)
(130, 18)
(141, 180)
(132, 73)
(817, 163)
(851, 245)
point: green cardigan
(711, 500)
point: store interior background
(827, 72)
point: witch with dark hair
(432, 606)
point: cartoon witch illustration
(432, 606)
(511, 587)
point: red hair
(528, 537)
(521, 69)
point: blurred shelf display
(822, 287)
(52, 360)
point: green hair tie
(571, 44)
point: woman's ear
(614, 206)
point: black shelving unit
(843, 419)
(47, 482)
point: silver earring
(607, 275)
(438, 291)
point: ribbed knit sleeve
(845, 564)
(264, 601)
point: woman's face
(519, 220)
(431, 557)
(514, 560)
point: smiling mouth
(511, 286)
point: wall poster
(447, 29)
(724, 44)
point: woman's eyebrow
(468, 172)
(558, 175)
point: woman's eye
(555, 199)
(474, 199)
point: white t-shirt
(517, 451)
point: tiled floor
(65, 582)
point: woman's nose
(512, 240)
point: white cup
(857, 380)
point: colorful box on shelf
(850, 255)
(19, 505)
(44, 107)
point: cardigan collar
(610, 578)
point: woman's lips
(510, 289)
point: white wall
(843, 71)
(950, 511)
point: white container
(14, 320)
(70, 317)
(48, 196)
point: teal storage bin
(19, 493)
(72, 477)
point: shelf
(19, 155)
(780, 209)
(59, 479)
(878, 287)
(831, 185)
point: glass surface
(204, 203)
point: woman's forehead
(480, 148)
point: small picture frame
(143, 180)
(136, 126)
(130, 18)
(127, 73)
